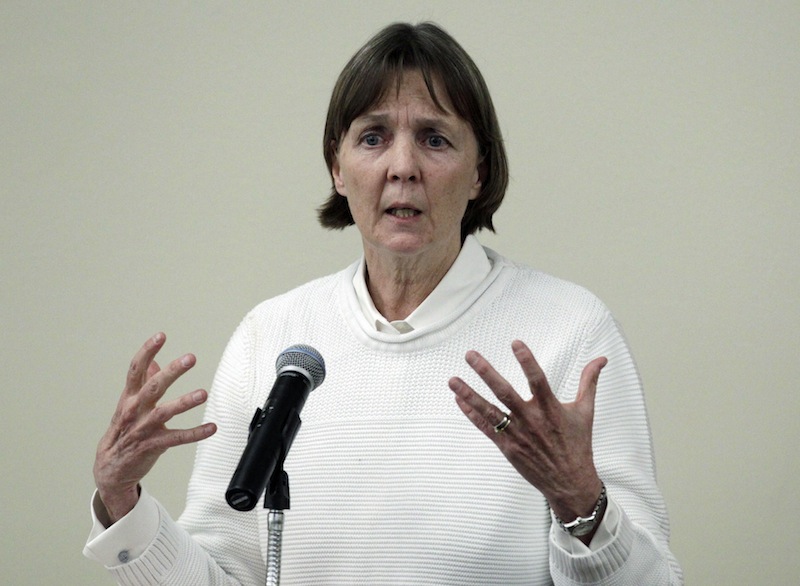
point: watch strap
(583, 525)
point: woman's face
(408, 170)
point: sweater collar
(467, 272)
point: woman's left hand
(548, 442)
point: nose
(403, 163)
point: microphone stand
(276, 500)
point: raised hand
(548, 442)
(138, 434)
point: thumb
(587, 389)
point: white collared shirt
(467, 272)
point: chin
(405, 244)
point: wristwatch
(585, 525)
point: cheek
(463, 187)
(360, 199)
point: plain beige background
(160, 164)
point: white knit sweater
(390, 483)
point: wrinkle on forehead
(412, 102)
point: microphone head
(304, 358)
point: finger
(140, 367)
(153, 369)
(155, 387)
(537, 381)
(501, 388)
(162, 413)
(478, 410)
(587, 388)
(179, 437)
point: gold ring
(501, 427)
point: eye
(436, 141)
(371, 138)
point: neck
(398, 285)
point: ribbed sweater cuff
(597, 565)
(158, 559)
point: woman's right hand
(138, 434)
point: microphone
(300, 370)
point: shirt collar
(469, 269)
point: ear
(480, 174)
(336, 172)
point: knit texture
(390, 483)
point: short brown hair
(437, 56)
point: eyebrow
(425, 121)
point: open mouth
(402, 212)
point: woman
(390, 483)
